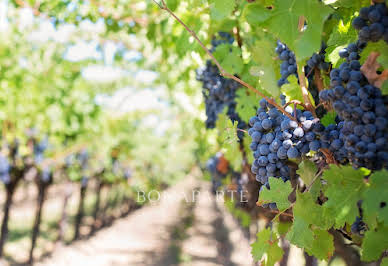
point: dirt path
(215, 238)
(170, 232)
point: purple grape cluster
(276, 138)
(329, 138)
(288, 66)
(317, 60)
(372, 23)
(219, 92)
(361, 133)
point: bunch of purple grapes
(288, 66)
(361, 133)
(219, 92)
(277, 138)
(372, 23)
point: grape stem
(295, 114)
(314, 179)
(242, 130)
(311, 71)
(236, 31)
(295, 102)
(162, 5)
(329, 156)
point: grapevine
(356, 137)
(278, 108)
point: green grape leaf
(345, 186)
(220, 9)
(292, 89)
(375, 242)
(375, 199)
(343, 34)
(355, 5)
(247, 76)
(384, 262)
(265, 67)
(244, 217)
(172, 4)
(283, 23)
(310, 212)
(322, 246)
(247, 142)
(333, 56)
(229, 140)
(381, 47)
(282, 228)
(230, 58)
(300, 233)
(307, 171)
(266, 245)
(256, 13)
(328, 118)
(318, 243)
(315, 189)
(183, 43)
(278, 193)
(246, 104)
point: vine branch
(223, 72)
(318, 80)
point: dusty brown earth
(172, 231)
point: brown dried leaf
(369, 69)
